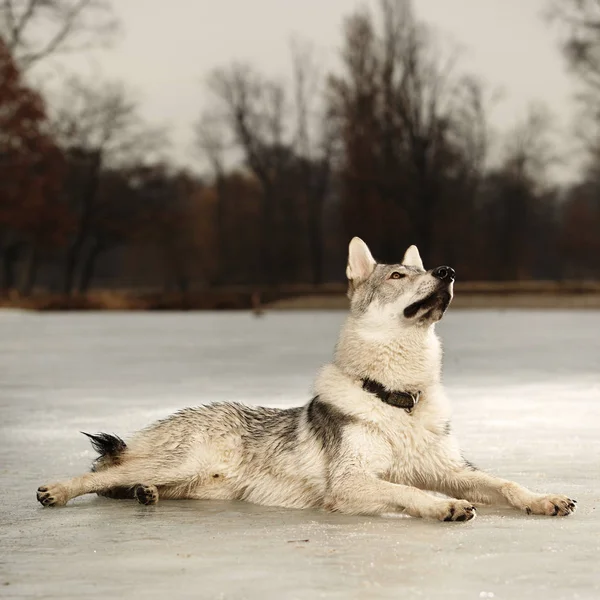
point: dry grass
(464, 301)
(126, 301)
(480, 294)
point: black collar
(405, 400)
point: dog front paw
(53, 494)
(452, 510)
(553, 506)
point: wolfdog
(375, 439)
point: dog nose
(445, 274)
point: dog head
(397, 296)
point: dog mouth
(440, 299)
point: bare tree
(401, 109)
(424, 93)
(243, 96)
(579, 23)
(313, 144)
(98, 127)
(529, 149)
(212, 143)
(471, 130)
(36, 29)
(288, 154)
(518, 199)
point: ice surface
(526, 393)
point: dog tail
(109, 447)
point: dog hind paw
(146, 494)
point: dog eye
(396, 275)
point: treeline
(394, 146)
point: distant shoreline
(480, 295)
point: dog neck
(399, 399)
(410, 361)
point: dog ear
(412, 258)
(360, 262)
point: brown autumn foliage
(32, 215)
(580, 242)
(173, 210)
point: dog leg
(478, 486)
(118, 493)
(358, 494)
(126, 475)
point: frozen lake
(526, 393)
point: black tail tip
(106, 444)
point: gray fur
(343, 451)
(327, 424)
(378, 287)
(373, 288)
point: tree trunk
(10, 254)
(268, 234)
(316, 246)
(183, 283)
(89, 268)
(315, 224)
(71, 262)
(30, 270)
(222, 241)
(87, 200)
(427, 201)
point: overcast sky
(168, 46)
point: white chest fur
(389, 442)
